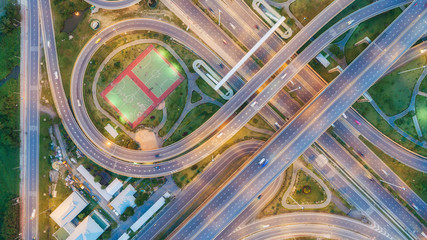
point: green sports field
(155, 73)
(129, 99)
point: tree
(141, 198)
(10, 226)
(129, 212)
(97, 178)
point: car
(56, 74)
(157, 167)
(259, 197)
(48, 44)
(225, 42)
(97, 40)
(210, 9)
(256, 26)
(360, 154)
(357, 122)
(221, 65)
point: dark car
(221, 65)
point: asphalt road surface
(309, 124)
(30, 133)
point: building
(90, 228)
(69, 209)
(124, 199)
(112, 188)
(150, 212)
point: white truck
(56, 75)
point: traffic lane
(387, 145)
(285, 220)
(192, 192)
(381, 168)
(300, 143)
(308, 229)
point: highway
(30, 62)
(309, 124)
(307, 224)
(125, 168)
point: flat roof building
(69, 209)
(124, 199)
(90, 228)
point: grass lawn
(259, 122)
(206, 89)
(316, 194)
(175, 103)
(195, 118)
(195, 97)
(393, 92)
(308, 9)
(416, 180)
(46, 225)
(407, 125)
(370, 28)
(368, 112)
(322, 71)
(423, 86)
(421, 111)
(274, 207)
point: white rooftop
(69, 209)
(114, 186)
(124, 199)
(88, 229)
(113, 132)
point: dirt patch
(148, 140)
(161, 105)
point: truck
(56, 75)
(277, 125)
(78, 103)
(48, 44)
(253, 104)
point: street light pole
(296, 202)
(393, 184)
(293, 90)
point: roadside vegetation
(393, 92)
(370, 28)
(416, 180)
(421, 111)
(306, 10)
(307, 190)
(9, 120)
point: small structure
(112, 131)
(69, 209)
(212, 79)
(114, 187)
(124, 199)
(124, 236)
(323, 60)
(150, 212)
(271, 16)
